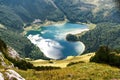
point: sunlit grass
(62, 63)
(79, 71)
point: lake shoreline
(46, 23)
(36, 26)
(52, 39)
(59, 24)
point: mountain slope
(16, 14)
(94, 11)
(79, 71)
(7, 70)
(21, 44)
(9, 18)
(104, 34)
(6, 67)
(26, 11)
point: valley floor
(62, 63)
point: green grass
(79, 71)
(82, 71)
(62, 63)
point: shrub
(73, 63)
(41, 68)
(106, 55)
(3, 46)
(101, 55)
(114, 59)
(71, 37)
(22, 64)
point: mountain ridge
(54, 10)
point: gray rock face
(12, 53)
(11, 74)
(1, 76)
(6, 73)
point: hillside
(15, 15)
(21, 44)
(23, 12)
(26, 11)
(7, 71)
(76, 68)
(82, 70)
(79, 71)
(94, 11)
(104, 34)
(22, 60)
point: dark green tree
(71, 37)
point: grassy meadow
(83, 70)
(62, 63)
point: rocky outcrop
(6, 72)
(11, 75)
(13, 54)
(1, 76)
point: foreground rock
(11, 75)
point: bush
(114, 59)
(71, 37)
(73, 63)
(22, 64)
(3, 46)
(106, 55)
(101, 55)
(41, 68)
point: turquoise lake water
(51, 40)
